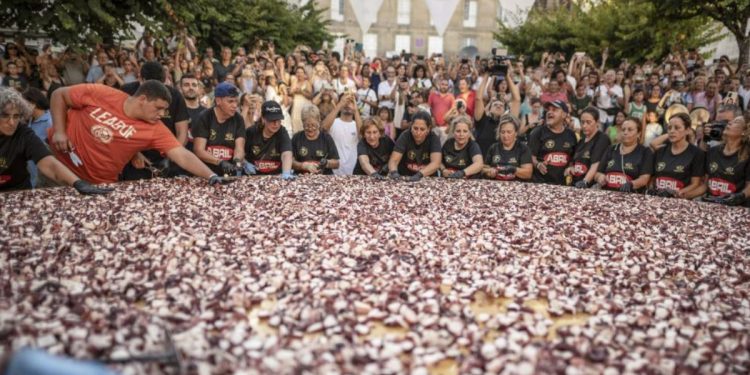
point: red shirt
(103, 137)
(440, 105)
(550, 97)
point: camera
(498, 68)
(717, 129)
(678, 84)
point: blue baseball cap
(225, 89)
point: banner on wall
(441, 12)
(366, 12)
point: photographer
(728, 168)
(710, 134)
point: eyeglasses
(6, 116)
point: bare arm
(52, 168)
(435, 159)
(59, 105)
(476, 166)
(364, 162)
(188, 161)
(479, 101)
(199, 148)
(394, 161)
(239, 148)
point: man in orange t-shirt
(97, 130)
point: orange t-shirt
(104, 138)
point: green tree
(732, 14)
(630, 29)
(215, 22)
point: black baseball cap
(271, 111)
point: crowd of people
(673, 128)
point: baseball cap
(557, 103)
(226, 89)
(271, 111)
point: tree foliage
(631, 29)
(732, 14)
(214, 22)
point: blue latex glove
(249, 168)
(287, 175)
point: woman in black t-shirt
(509, 158)
(462, 156)
(728, 166)
(628, 165)
(679, 166)
(417, 151)
(589, 150)
(314, 151)
(374, 149)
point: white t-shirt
(341, 87)
(384, 89)
(362, 95)
(345, 136)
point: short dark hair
(593, 112)
(188, 76)
(153, 90)
(152, 70)
(36, 97)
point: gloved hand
(582, 184)
(227, 167)
(627, 187)
(712, 199)
(249, 168)
(216, 180)
(652, 192)
(457, 174)
(415, 177)
(85, 188)
(735, 199)
(666, 193)
(163, 165)
(507, 169)
(287, 175)
(377, 176)
(384, 170)
(394, 175)
(323, 163)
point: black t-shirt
(19, 83)
(674, 172)
(588, 153)
(193, 113)
(638, 162)
(220, 138)
(455, 160)
(15, 151)
(415, 157)
(378, 156)
(221, 71)
(726, 174)
(497, 156)
(323, 147)
(486, 132)
(266, 153)
(555, 149)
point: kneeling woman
(508, 159)
(679, 165)
(314, 151)
(728, 174)
(628, 165)
(462, 156)
(417, 151)
(374, 149)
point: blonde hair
(461, 119)
(371, 121)
(507, 119)
(310, 111)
